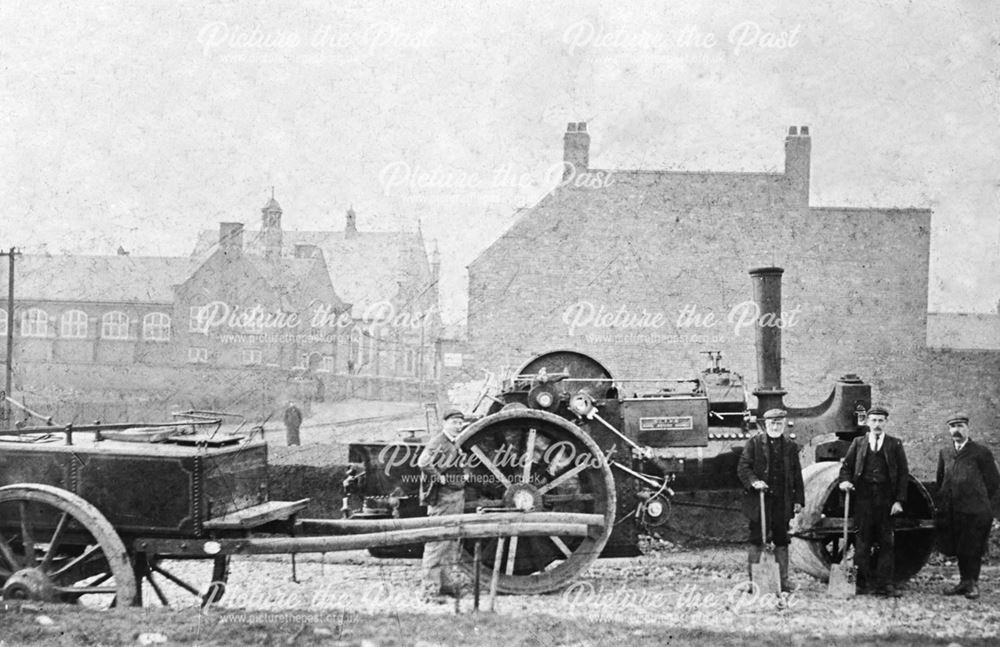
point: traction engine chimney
(767, 296)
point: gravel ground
(666, 588)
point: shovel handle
(763, 524)
(847, 512)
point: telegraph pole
(9, 369)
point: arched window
(34, 323)
(114, 325)
(156, 326)
(73, 324)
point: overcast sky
(139, 124)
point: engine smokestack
(767, 296)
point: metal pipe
(9, 369)
(116, 426)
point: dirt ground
(667, 596)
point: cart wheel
(54, 546)
(149, 569)
(565, 472)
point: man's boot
(972, 592)
(781, 556)
(959, 589)
(753, 557)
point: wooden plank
(257, 515)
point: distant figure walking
(293, 420)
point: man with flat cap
(442, 490)
(968, 481)
(770, 463)
(876, 472)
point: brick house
(94, 309)
(237, 309)
(646, 269)
(393, 327)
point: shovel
(765, 574)
(842, 575)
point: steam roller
(561, 435)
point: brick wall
(650, 243)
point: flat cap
(878, 410)
(958, 416)
(453, 413)
(771, 414)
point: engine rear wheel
(524, 459)
(819, 540)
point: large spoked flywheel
(530, 460)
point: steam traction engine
(565, 436)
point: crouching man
(770, 463)
(442, 490)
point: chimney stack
(231, 239)
(576, 149)
(351, 225)
(798, 149)
(767, 296)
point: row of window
(73, 325)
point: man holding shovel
(770, 464)
(875, 469)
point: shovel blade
(842, 582)
(766, 575)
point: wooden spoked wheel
(56, 547)
(172, 581)
(531, 460)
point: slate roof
(107, 279)
(365, 267)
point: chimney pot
(576, 149)
(231, 238)
(804, 131)
(351, 223)
(792, 130)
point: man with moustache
(770, 463)
(967, 480)
(875, 469)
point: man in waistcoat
(876, 472)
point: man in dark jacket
(875, 469)
(293, 420)
(442, 490)
(770, 463)
(968, 481)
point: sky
(140, 124)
